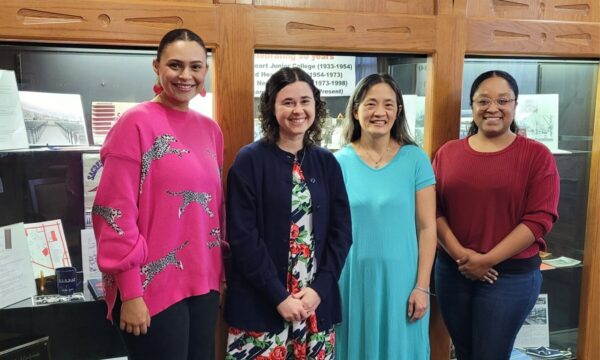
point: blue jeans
(483, 319)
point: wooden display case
(443, 30)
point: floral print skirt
(299, 340)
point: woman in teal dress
(390, 185)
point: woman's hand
(417, 304)
(292, 309)
(475, 266)
(490, 277)
(310, 299)
(135, 318)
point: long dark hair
(475, 86)
(266, 108)
(176, 35)
(352, 129)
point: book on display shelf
(96, 288)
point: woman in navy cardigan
(288, 225)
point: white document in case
(47, 246)
(92, 170)
(414, 108)
(535, 330)
(89, 255)
(562, 261)
(13, 134)
(17, 281)
(104, 116)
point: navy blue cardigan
(259, 202)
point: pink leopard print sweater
(158, 214)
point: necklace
(301, 161)
(377, 162)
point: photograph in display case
(537, 118)
(56, 298)
(53, 119)
(535, 330)
(332, 132)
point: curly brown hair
(266, 108)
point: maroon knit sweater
(484, 196)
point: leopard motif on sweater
(160, 148)
(109, 215)
(216, 234)
(153, 268)
(189, 196)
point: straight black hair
(352, 129)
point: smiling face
(378, 110)
(294, 110)
(181, 71)
(494, 120)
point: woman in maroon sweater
(497, 196)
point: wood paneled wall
(445, 30)
(560, 10)
(589, 317)
(413, 7)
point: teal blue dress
(381, 268)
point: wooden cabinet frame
(444, 30)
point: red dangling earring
(203, 91)
(157, 88)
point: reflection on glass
(337, 75)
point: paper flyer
(17, 281)
(47, 247)
(13, 134)
(89, 255)
(561, 261)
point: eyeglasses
(501, 102)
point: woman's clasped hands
(299, 306)
(475, 266)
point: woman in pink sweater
(158, 214)
(497, 197)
